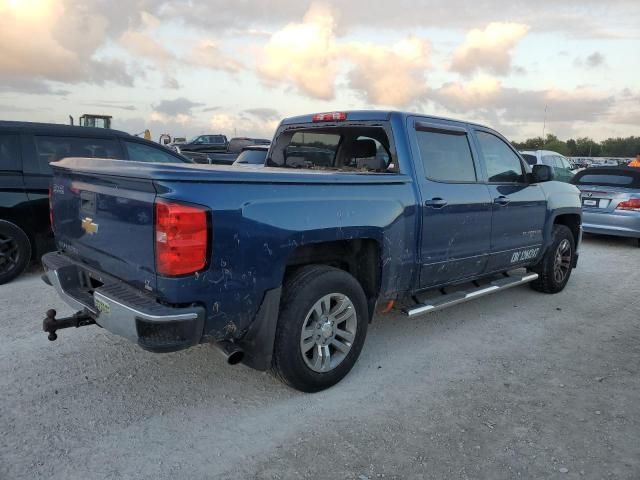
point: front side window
(446, 157)
(530, 159)
(9, 150)
(503, 165)
(139, 152)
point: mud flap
(258, 341)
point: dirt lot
(514, 385)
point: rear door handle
(435, 202)
(501, 200)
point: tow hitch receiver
(50, 324)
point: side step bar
(451, 299)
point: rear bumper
(622, 224)
(122, 309)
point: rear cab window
(529, 158)
(353, 148)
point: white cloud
(303, 55)
(394, 75)
(488, 98)
(207, 53)
(55, 40)
(489, 49)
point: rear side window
(139, 152)
(446, 157)
(608, 178)
(52, 149)
(503, 165)
(9, 152)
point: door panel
(516, 225)
(455, 210)
(519, 208)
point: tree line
(584, 146)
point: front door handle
(435, 202)
(501, 200)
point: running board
(451, 299)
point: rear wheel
(321, 329)
(15, 251)
(555, 267)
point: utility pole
(544, 125)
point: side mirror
(542, 173)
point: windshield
(252, 157)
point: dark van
(26, 149)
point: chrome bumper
(122, 309)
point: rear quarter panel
(257, 227)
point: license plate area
(88, 202)
(595, 202)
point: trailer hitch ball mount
(51, 324)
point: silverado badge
(88, 226)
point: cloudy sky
(238, 66)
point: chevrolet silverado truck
(283, 267)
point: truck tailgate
(107, 222)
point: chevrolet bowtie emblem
(88, 226)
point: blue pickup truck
(283, 267)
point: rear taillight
(51, 207)
(633, 204)
(182, 238)
(329, 117)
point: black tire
(302, 290)
(15, 251)
(549, 281)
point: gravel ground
(513, 385)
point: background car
(253, 156)
(205, 143)
(562, 168)
(610, 200)
(26, 149)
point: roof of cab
(57, 128)
(376, 115)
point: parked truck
(283, 267)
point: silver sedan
(610, 200)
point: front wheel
(555, 267)
(322, 327)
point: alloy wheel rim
(562, 262)
(9, 253)
(328, 332)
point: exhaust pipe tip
(235, 357)
(232, 352)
